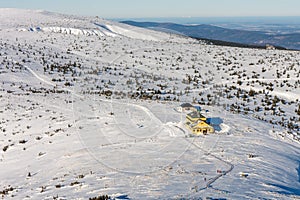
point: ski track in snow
(209, 154)
(153, 117)
(146, 110)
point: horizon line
(204, 17)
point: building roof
(186, 105)
(201, 124)
(195, 115)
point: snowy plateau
(88, 108)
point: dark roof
(185, 105)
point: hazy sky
(162, 8)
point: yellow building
(194, 117)
(201, 127)
(196, 122)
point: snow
(62, 138)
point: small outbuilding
(186, 107)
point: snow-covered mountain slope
(88, 108)
(28, 20)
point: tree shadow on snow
(287, 190)
(298, 170)
(123, 197)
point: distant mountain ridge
(204, 31)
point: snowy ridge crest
(71, 31)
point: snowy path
(223, 173)
(149, 113)
(214, 179)
(38, 77)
